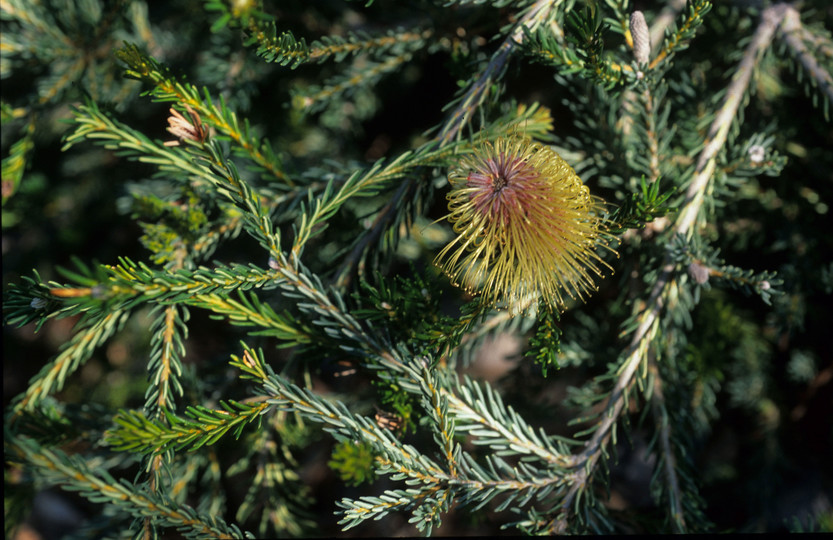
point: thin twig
(473, 98)
(479, 90)
(663, 21)
(719, 131)
(658, 410)
(637, 350)
(385, 216)
(794, 35)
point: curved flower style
(527, 226)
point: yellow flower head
(527, 226)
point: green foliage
(409, 308)
(100, 487)
(545, 345)
(353, 462)
(640, 208)
(703, 264)
(268, 324)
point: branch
(719, 130)
(675, 497)
(473, 98)
(794, 35)
(637, 350)
(76, 352)
(479, 90)
(99, 486)
(663, 21)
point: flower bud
(698, 272)
(183, 129)
(756, 154)
(641, 38)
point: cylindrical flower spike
(641, 38)
(527, 226)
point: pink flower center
(498, 185)
(499, 182)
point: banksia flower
(527, 226)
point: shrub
(630, 335)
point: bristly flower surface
(527, 226)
